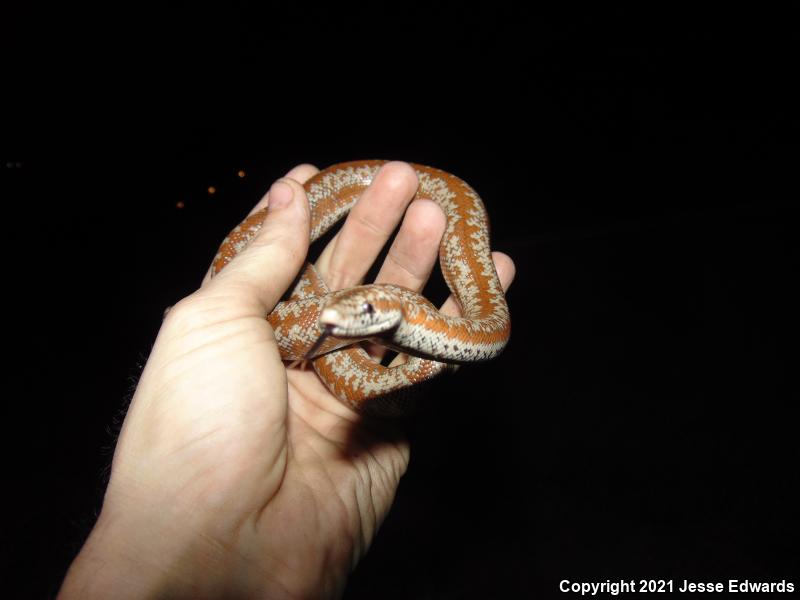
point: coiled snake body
(324, 326)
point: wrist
(127, 557)
(122, 560)
(130, 557)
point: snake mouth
(374, 330)
(331, 322)
(340, 325)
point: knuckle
(203, 309)
(187, 314)
(282, 248)
(363, 221)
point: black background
(638, 166)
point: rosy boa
(324, 326)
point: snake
(325, 327)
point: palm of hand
(296, 482)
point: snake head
(362, 312)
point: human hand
(233, 476)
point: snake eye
(368, 308)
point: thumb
(275, 244)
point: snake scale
(324, 326)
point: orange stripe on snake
(325, 326)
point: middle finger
(348, 257)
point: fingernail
(280, 195)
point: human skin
(233, 476)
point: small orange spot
(212, 190)
(179, 204)
(241, 174)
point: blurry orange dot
(212, 190)
(241, 173)
(179, 204)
